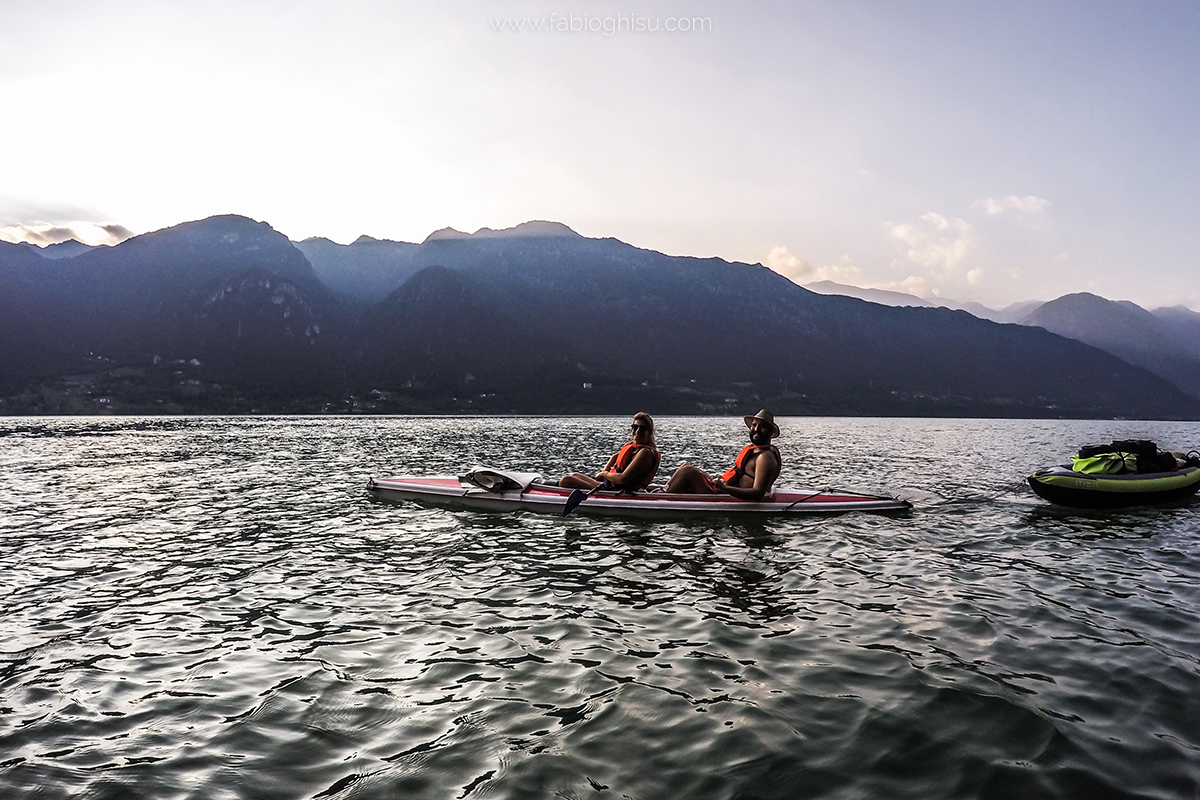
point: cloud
(15, 211)
(939, 245)
(797, 270)
(118, 232)
(22, 220)
(48, 234)
(781, 260)
(918, 285)
(43, 234)
(1029, 204)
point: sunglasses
(636, 427)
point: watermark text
(607, 25)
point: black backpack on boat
(1149, 457)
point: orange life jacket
(739, 465)
(625, 457)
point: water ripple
(210, 607)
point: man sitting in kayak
(753, 473)
(633, 466)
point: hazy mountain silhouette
(66, 249)
(1011, 313)
(365, 270)
(1183, 324)
(1158, 342)
(1017, 312)
(881, 296)
(534, 229)
(226, 314)
(369, 269)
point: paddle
(579, 495)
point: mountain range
(227, 315)
(1165, 341)
(1012, 313)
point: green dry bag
(1105, 463)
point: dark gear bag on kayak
(1148, 457)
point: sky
(993, 152)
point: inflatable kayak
(493, 490)
(1065, 487)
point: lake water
(213, 608)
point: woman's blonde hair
(646, 419)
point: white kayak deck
(460, 492)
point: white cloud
(975, 276)
(781, 260)
(797, 270)
(937, 220)
(940, 245)
(43, 234)
(916, 285)
(43, 223)
(1028, 204)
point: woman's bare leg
(577, 480)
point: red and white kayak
(493, 490)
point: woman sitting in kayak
(633, 466)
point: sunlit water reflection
(212, 608)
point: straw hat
(764, 416)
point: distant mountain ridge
(66, 249)
(1165, 342)
(368, 269)
(1183, 324)
(225, 314)
(533, 229)
(883, 297)
(1012, 313)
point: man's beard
(760, 437)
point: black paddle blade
(574, 499)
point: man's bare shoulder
(773, 460)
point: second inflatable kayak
(1065, 487)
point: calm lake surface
(213, 608)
